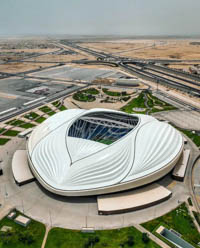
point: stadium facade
(89, 152)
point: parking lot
(75, 73)
(17, 91)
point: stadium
(91, 152)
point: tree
(8, 237)
(145, 238)
(130, 241)
(26, 237)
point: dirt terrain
(60, 58)
(147, 49)
(22, 67)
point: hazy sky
(125, 17)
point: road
(57, 96)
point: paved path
(5, 210)
(190, 209)
(184, 119)
(48, 228)
(74, 212)
(69, 104)
(151, 236)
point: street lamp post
(157, 84)
(1, 169)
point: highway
(54, 97)
(160, 79)
(151, 74)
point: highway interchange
(145, 69)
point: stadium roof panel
(97, 151)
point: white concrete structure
(180, 168)
(22, 220)
(20, 168)
(132, 200)
(24, 133)
(89, 152)
(128, 82)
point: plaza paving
(70, 212)
(75, 73)
(186, 119)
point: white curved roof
(68, 164)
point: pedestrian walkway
(48, 228)
(151, 236)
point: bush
(130, 241)
(91, 241)
(145, 238)
(96, 239)
(26, 237)
(124, 93)
(8, 237)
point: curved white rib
(74, 164)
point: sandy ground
(22, 67)
(116, 46)
(177, 49)
(34, 50)
(181, 67)
(14, 54)
(60, 58)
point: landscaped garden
(146, 103)
(21, 237)
(20, 123)
(58, 105)
(11, 133)
(118, 238)
(91, 91)
(138, 102)
(195, 137)
(40, 119)
(3, 141)
(47, 110)
(87, 95)
(115, 93)
(31, 116)
(179, 220)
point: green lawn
(3, 141)
(2, 130)
(19, 123)
(47, 110)
(125, 237)
(111, 93)
(106, 141)
(61, 108)
(11, 133)
(51, 113)
(138, 102)
(31, 116)
(193, 136)
(197, 217)
(91, 91)
(27, 125)
(83, 97)
(15, 122)
(18, 237)
(153, 103)
(40, 119)
(56, 103)
(179, 220)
